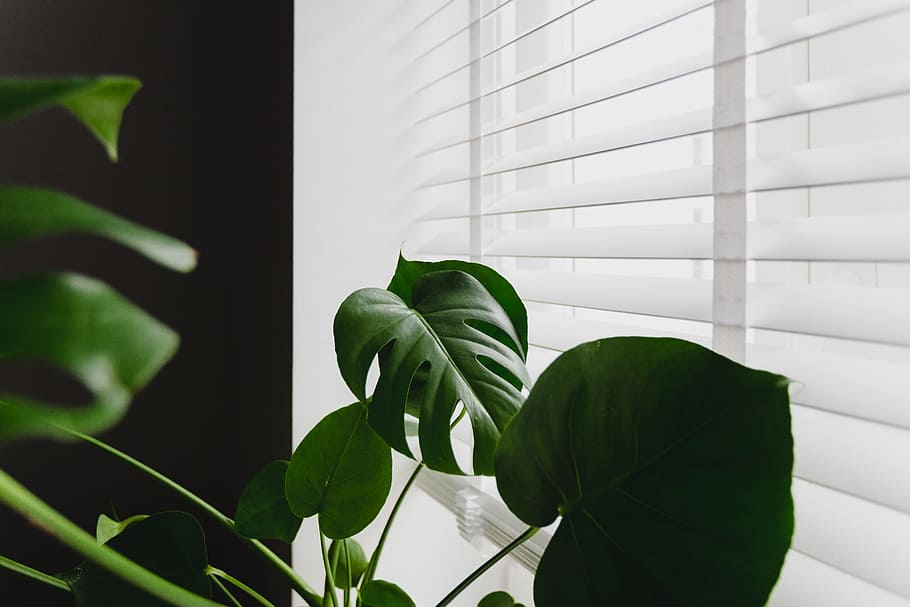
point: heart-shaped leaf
(670, 466)
(170, 544)
(339, 552)
(81, 326)
(451, 336)
(263, 511)
(27, 212)
(97, 102)
(498, 599)
(107, 528)
(378, 593)
(408, 272)
(342, 471)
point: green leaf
(170, 544)
(384, 594)
(670, 466)
(408, 272)
(342, 471)
(498, 599)
(27, 212)
(359, 562)
(98, 102)
(107, 528)
(81, 326)
(263, 511)
(444, 336)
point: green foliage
(263, 511)
(107, 528)
(72, 322)
(341, 471)
(408, 272)
(670, 467)
(27, 212)
(84, 327)
(170, 544)
(453, 333)
(384, 594)
(498, 599)
(339, 552)
(97, 102)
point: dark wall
(206, 156)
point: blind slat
(855, 163)
(881, 237)
(878, 83)
(868, 314)
(806, 581)
(615, 37)
(665, 297)
(680, 125)
(863, 388)
(826, 22)
(862, 458)
(681, 183)
(869, 541)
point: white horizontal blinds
(597, 199)
(568, 151)
(829, 284)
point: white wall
(351, 185)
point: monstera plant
(666, 465)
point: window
(735, 173)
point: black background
(206, 156)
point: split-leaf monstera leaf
(670, 468)
(75, 323)
(450, 343)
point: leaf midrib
(585, 498)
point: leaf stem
(30, 506)
(374, 559)
(329, 574)
(46, 578)
(347, 590)
(487, 564)
(214, 571)
(224, 590)
(308, 594)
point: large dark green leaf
(342, 471)
(27, 212)
(97, 102)
(339, 552)
(83, 327)
(170, 544)
(378, 593)
(451, 338)
(408, 272)
(263, 511)
(670, 466)
(498, 599)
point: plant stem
(374, 559)
(40, 576)
(32, 508)
(329, 575)
(487, 564)
(308, 594)
(224, 590)
(347, 590)
(225, 576)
